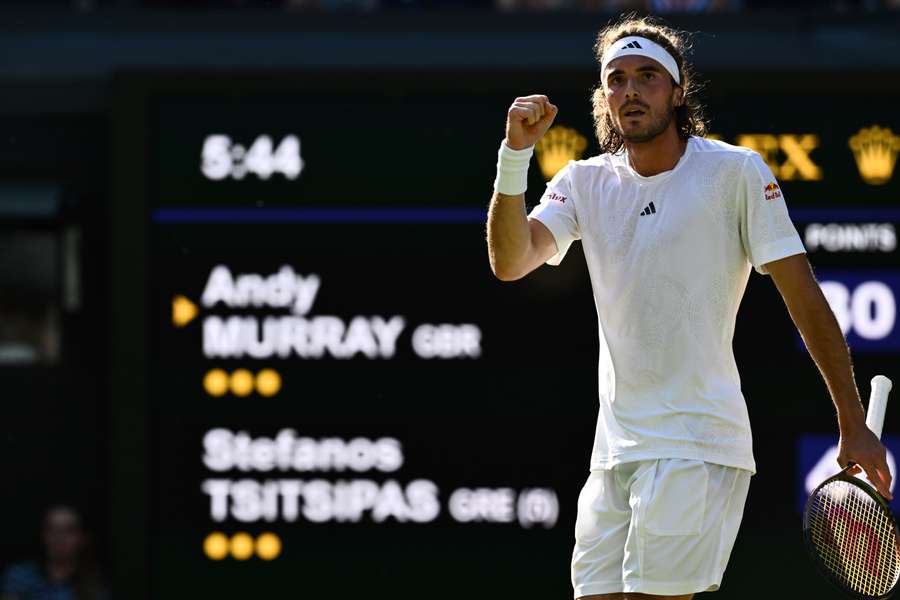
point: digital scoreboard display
(320, 388)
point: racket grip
(878, 398)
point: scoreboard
(318, 387)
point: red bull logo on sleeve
(772, 191)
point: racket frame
(814, 552)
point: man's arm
(517, 245)
(822, 335)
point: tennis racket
(849, 528)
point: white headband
(641, 47)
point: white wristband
(512, 170)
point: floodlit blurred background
(250, 344)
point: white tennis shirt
(669, 257)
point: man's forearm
(508, 234)
(825, 342)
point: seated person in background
(68, 570)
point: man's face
(63, 536)
(641, 97)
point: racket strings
(855, 539)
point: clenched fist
(528, 120)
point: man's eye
(649, 75)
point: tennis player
(670, 225)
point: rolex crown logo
(875, 149)
(557, 148)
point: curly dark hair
(689, 117)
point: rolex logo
(875, 149)
(557, 148)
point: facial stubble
(655, 128)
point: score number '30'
(869, 310)
(221, 158)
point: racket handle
(878, 398)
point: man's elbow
(505, 272)
(509, 275)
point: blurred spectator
(615, 6)
(215, 4)
(67, 571)
(529, 5)
(692, 6)
(332, 5)
(608, 6)
(612, 6)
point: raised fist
(528, 120)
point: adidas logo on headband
(633, 45)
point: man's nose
(630, 88)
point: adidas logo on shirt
(648, 210)
(633, 45)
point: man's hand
(866, 451)
(528, 120)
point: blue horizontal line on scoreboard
(442, 215)
(846, 215)
(320, 215)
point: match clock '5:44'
(221, 158)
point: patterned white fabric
(669, 257)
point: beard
(647, 132)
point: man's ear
(679, 96)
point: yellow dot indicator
(268, 546)
(241, 382)
(268, 382)
(241, 546)
(216, 546)
(216, 382)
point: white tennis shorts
(662, 527)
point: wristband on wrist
(512, 170)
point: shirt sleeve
(557, 212)
(767, 232)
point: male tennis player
(670, 224)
